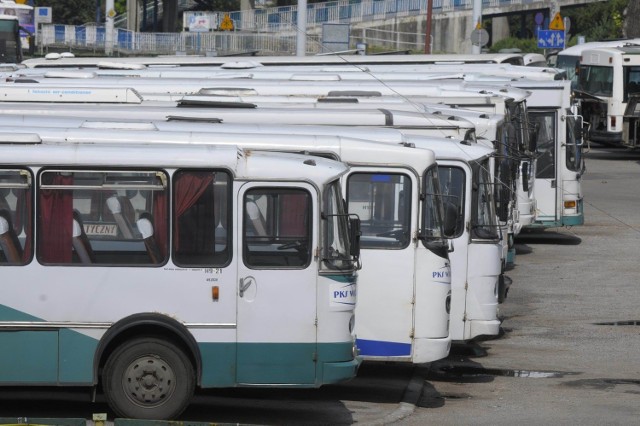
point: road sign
(227, 23)
(539, 18)
(551, 39)
(557, 23)
(479, 37)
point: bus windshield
(337, 249)
(596, 80)
(569, 64)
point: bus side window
(75, 228)
(277, 228)
(15, 217)
(201, 218)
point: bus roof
(453, 150)
(512, 58)
(242, 162)
(350, 150)
(579, 48)
(601, 56)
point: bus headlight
(352, 324)
(447, 303)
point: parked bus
(395, 192)
(569, 58)
(10, 46)
(559, 160)
(607, 77)
(466, 181)
(26, 24)
(172, 256)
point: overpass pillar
(169, 16)
(133, 15)
(499, 28)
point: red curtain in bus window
(293, 215)
(189, 187)
(56, 219)
(160, 220)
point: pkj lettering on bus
(343, 295)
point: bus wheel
(148, 378)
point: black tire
(148, 378)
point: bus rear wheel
(148, 378)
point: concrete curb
(410, 399)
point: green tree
(217, 5)
(599, 21)
(70, 12)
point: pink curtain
(56, 220)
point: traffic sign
(539, 18)
(557, 23)
(551, 39)
(479, 37)
(227, 23)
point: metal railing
(69, 37)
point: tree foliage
(598, 21)
(526, 45)
(70, 12)
(632, 19)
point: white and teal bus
(151, 270)
(608, 77)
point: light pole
(301, 30)
(477, 20)
(110, 13)
(427, 31)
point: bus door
(276, 289)
(631, 127)
(547, 182)
(384, 203)
(454, 181)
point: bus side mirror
(354, 237)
